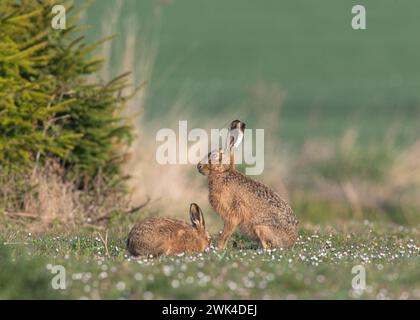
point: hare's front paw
(221, 244)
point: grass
(319, 266)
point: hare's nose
(199, 166)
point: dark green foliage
(49, 105)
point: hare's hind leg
(272, 237)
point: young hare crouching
(157, 236)
(257, 210)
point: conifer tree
(49, 106)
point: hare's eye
(214, 157)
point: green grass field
(211, 54)
(319, 266)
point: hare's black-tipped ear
(233, 134)
(234, 124)
(237, 124)
(196, 216)
(236, 133)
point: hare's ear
(196, 216)
(236, 133)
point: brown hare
(157, 236)
(258, 211)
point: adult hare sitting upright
(256, 209)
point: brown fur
(257, 210)
(157, 236)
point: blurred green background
(213, 53)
